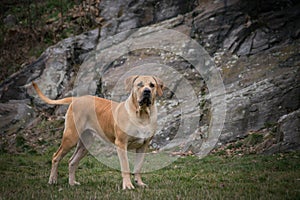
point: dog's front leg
(139, 160)
(122, 154)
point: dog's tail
(67, 100)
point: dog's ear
(129, 82)
(160, 86)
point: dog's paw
(127, 185)
(141, 184)
(74, 183)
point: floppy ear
(129, 82)
(159, 86)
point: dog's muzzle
(146, 98)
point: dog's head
(144, 89)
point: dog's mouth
(145, 101)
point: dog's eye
(151, 85)
(140, 84)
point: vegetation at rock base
(214, 177)
(27, 28)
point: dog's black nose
(147, 91)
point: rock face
(289, 126)
(262, 94)
(254, 44)
(124, 15)
(56, 67)
(246, 27)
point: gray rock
(251, 108)
(15, 115)
(242, 28)
(10, 20)
(287, 134)
(289, 127)
(123, 15)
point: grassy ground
(214, 177)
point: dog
(129, 125)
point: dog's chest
(138, 137)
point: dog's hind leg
(69, 140)
(79, 153)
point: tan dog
(118, 123)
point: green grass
(214, 177)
